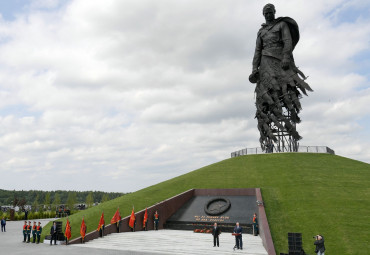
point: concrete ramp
(175, 242)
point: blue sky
(11, 9)
(8, 9)
(132, 93)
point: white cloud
(123, 94)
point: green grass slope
(307, 193)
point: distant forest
(7, 197)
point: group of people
(101, 227)
(34, 229)
(237, 232)
(145, 226)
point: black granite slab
(241, 210)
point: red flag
(145, 217)
(132, 219)
(83, 229)
(68, 234)
(116, 217)
(101, 221)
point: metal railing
(302, 149)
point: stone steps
(175, 242)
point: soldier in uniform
(133, 229)
(34, 227)
(255, 225)
(118, 225)
(29, 228)
(25, 231)
(38, 232)
(156, 220)
(70, 229)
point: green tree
(47, 200)
(9, 197)
(35, 203)
(22, 203)
(89, 199)
(71, 200)
(15, 201)
(41, 210)
(56, 201)
(105, 198)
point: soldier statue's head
(268, 6)
(269, 12)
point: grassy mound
(307, 193)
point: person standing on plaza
(53, 233)
(216, 231)
(132, 221)
(34, 229)
(68, 231)
(83, 230)
(156, 220)
(38, 232)
(29, 228)
(25, 231)
(255, 225)
(101, 225)
(238, 230)
(145, 220)
(3, 223)
(116, 220)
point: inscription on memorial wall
(207, 218)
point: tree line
(50, 198)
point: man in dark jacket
(3, 223)
(216, 231)
(320, 247)
(238, 230)
(53, 233)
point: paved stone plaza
(176, 242)
(142, 242)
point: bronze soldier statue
(279, 81)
